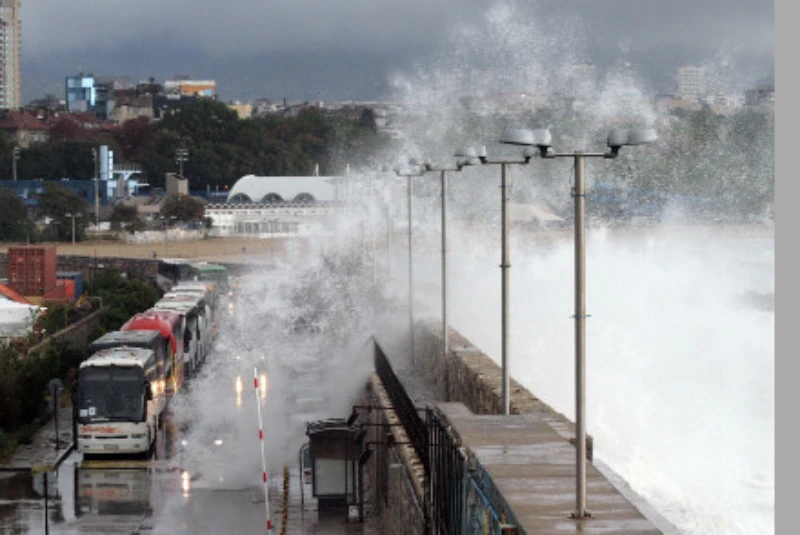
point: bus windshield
(111, 393)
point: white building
(692, 82)
(283, 205)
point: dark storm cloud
(206, 37)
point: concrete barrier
(470, 376)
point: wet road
(205, 471)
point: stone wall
(395, 479)
(471, 377)
(394, 487)
(78, 334)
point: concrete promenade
(533, 468)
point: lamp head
(621, 137)
(466, 162)
(539, 138)
(466, 152)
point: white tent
(17, 319)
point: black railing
(406, 411)
(447, 479)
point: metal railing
(446, 480)
(415, 427)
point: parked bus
(170, 327)
(192, 310)
(148, 339)
(208, 291)
(119, 401)
(206, 271)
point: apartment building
(10, 97)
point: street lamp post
(539, 138)
(181, 155)
(14, 158)
(96, 188)
(409, 173)
(617, 138)
(443, 174)
(73, 216)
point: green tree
(14, 222)
(53, 161)
(6, 150)
(183, 208)
(125, 296)
(125, 217)
(367, 120)
(62, 207)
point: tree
(125, 296)
(61, 206)
(367, 120)
(183, 208)
(125, 217)
(14, 222)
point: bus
(119, 401)
(170, 328)
(192, 310)
(147, 339)
(208, 291)
(180, 269)
(209, 272)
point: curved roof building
(272, 189)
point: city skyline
(350, 51)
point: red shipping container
(69, 288)
(32, 268)
(57, 293)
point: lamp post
(617, 138)
(14, 158)
(409, 173)
(73, 216)
(96, 189)
(540, 137)
(181, 155)
(443, 174)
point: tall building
(80, 93)
(181, 88)
(10, 97)
(692, 82)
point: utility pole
(181, 155)
(14, 158)
(96, 188)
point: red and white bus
(170, 326)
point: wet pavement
(158, 495)
(533, 467)
(43, 450)
(131, 496)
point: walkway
(42, 451)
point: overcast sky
(347, 48)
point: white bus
(192, 309)
(120, 400)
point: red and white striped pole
(263, 456)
